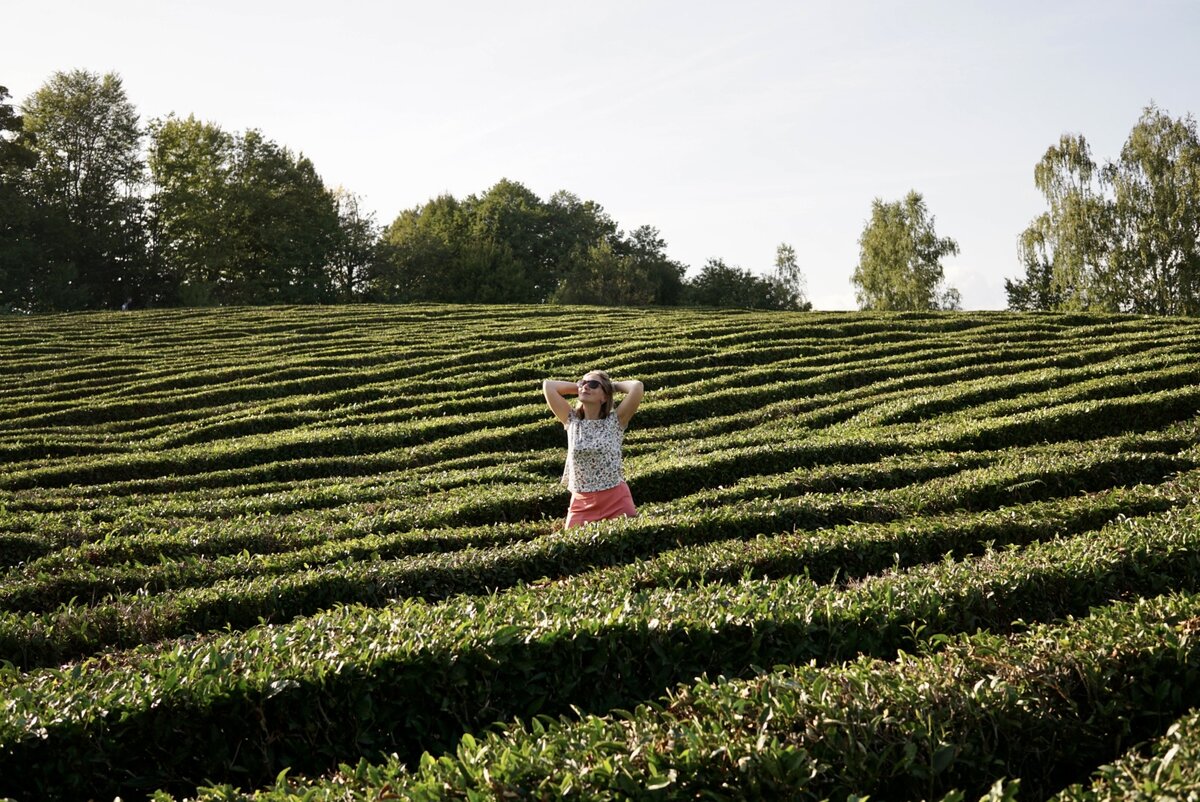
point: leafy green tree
(510, 222)
(240, 219)
(492, 272)
(719, 284)
(286, 225)
(573, 224)
(507, 245)
(900, 259)
(622, 271)
(1065, 249)
(190, 166)
(790, 286)
(664, 275)
(602, 276)
(355, 248)
(21, 253)
(1122, 237)
(1155, 236)
(418, 255)
(89, 175)
(484, 249)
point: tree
(418, 256)
(90, 174)
(21, 253)
(900, 257)
(355, 247)
(602, 276)
(1124, 237)
(621, 270)
(719, 284)
(285, 226)
(574, 225)
(1064, 250)
(190, 166)
(510, 222)
(1155, 238)
(238, 219)
(507, 246)
(648, 249)
(788, 280)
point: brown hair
(606, 386)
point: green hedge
(413, 676)
(961, 721)
(1168, 770)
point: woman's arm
(629, 404)
(555, 392)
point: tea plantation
(317, 553)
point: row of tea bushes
(967, 719)
(1169, 770)
(190, 500)
(409, 677)
(46, 638)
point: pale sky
(729, 126)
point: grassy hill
(939, 555)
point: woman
(595, 430)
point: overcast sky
(729, 126)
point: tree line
(99, 211)
(1121, 237)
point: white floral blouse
(593, 453)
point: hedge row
(1168, 770)
(169, 388)
(34, 635)
(950, 724)
(1163, 407)
(76, 572)
(414, 676)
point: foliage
(622, 272)
(789, 279)
(21, 254)
(1169, 769)
(190, 166)
(241, 220)
(719, 284)
(242, 547)
(1121, 237)
(900, 259)
(1156, 212)
(1063, 250)
(355, 249)
(508, 245)
(88, 176)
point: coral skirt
(600, 505)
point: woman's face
(591, 390)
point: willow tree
(1065, 248)
(1122, 237)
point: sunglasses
(591, 384)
